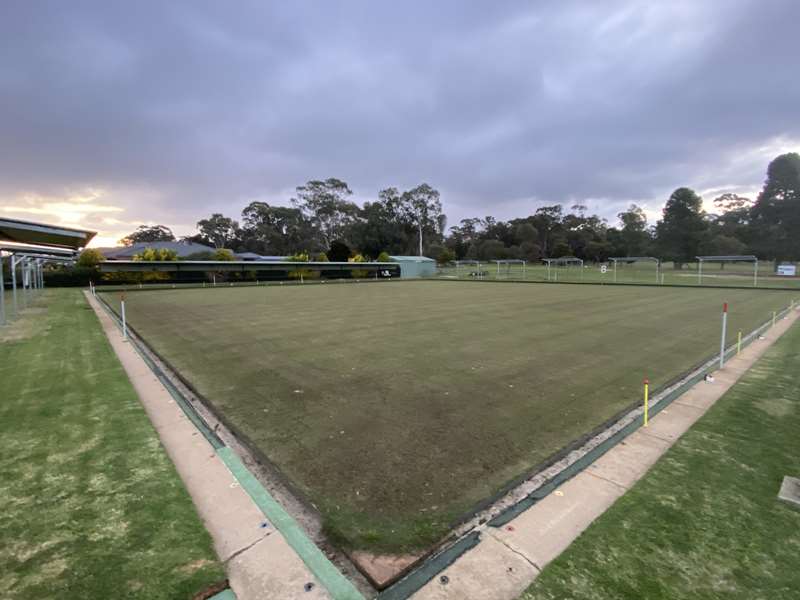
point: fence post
(646, 401)
(724, 332)
(124, 322)
(739, 343)
(2, 294)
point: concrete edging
(509, 557)
(270, 558)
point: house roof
(411, 259)
(182, 248)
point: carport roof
(43, 234)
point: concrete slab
(269, 569)
(543, 532)
(490, 571)
(672, 422)
(260, 562)
(630, 459)
(790, 491)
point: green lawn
(92, 506)
(714, 274)
(705, 523)
(396, 407)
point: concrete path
(508, 559)
(259, 561)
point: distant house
(181, 248)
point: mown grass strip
(93, 507)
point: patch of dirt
(776, 407)
(25, 326)
(211, 590)
(383, 569)
(194, 566)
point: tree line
(323, 220)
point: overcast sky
(164, 112)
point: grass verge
(705, 522)
(92, 505)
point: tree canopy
(148, 233)
(321, 217)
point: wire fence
(722, 274)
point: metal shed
(415, 266)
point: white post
(615, 271)
(124, 322)
(14, 282)
(724, 333)
(548, 270)
(700, 272)
(755, 274)
(2, 294)
(498, 270)
(23, 272)
(524, 277)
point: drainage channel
(337, 585)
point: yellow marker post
(739, 343)
(646, 400)
(774, 314)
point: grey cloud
(503, 107)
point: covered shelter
(748, 258)
(508, 262)
(42, 234)
(562, 261)
(632, 259)
(415, 266)
(30, 246)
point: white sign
(604, 269)
(787, 270)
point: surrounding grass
(714, 274)
(92, 506)
(706, 521)
(396, 407)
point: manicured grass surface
(91, 505)
(705, 522)
(395, 407)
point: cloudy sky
(116, 114)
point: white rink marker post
(724, 332)
(122, 314)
